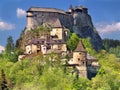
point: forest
(42, 73)
(112, 46)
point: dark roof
(44, 9)
(80, 7)
(37, 41)
(47, 41)
(80, 47)
(51, 41)
(90, 57)
(57, 23)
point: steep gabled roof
(57, 23)
(36, 41)
(49, 40)
(80, 47)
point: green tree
(9, 46)
(80, 84)
(115, 51)
(108, 76)
(73, 42)
(3, 82)
(88, 45)
(12, 53)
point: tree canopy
(73, 42)
(10, 45)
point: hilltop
(75, 20)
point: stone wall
(38, 18)
(78, 57)
(77, 21)
(58, 32)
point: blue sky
(105, 15)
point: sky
(105, 16)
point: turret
(80, 58)
(79, 54)
(29, 20)
(70, 9)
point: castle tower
(70, 8)
(57, 30)
(80, 58)
(29, 20)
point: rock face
(76, 19)
(84, 28)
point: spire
(70, 8)
(80, 47)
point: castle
(87, 65)
(55, 17)
(60, 23)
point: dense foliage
(73, 42)
(112, 46)
(11, 52)
(48, 72)
(10, 45)
(40, 73)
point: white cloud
(107, 28)
(1, 48)
(6, 26)
(21, 13)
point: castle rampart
(37, 16)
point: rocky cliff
(84, 28)
(78, 20)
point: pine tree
(9, 46)
(3, 84)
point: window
(83, 63)
(78, 59)
(42, 42)
(59, 47)
(44, 48)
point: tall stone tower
(29, 20)
(80, 58)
